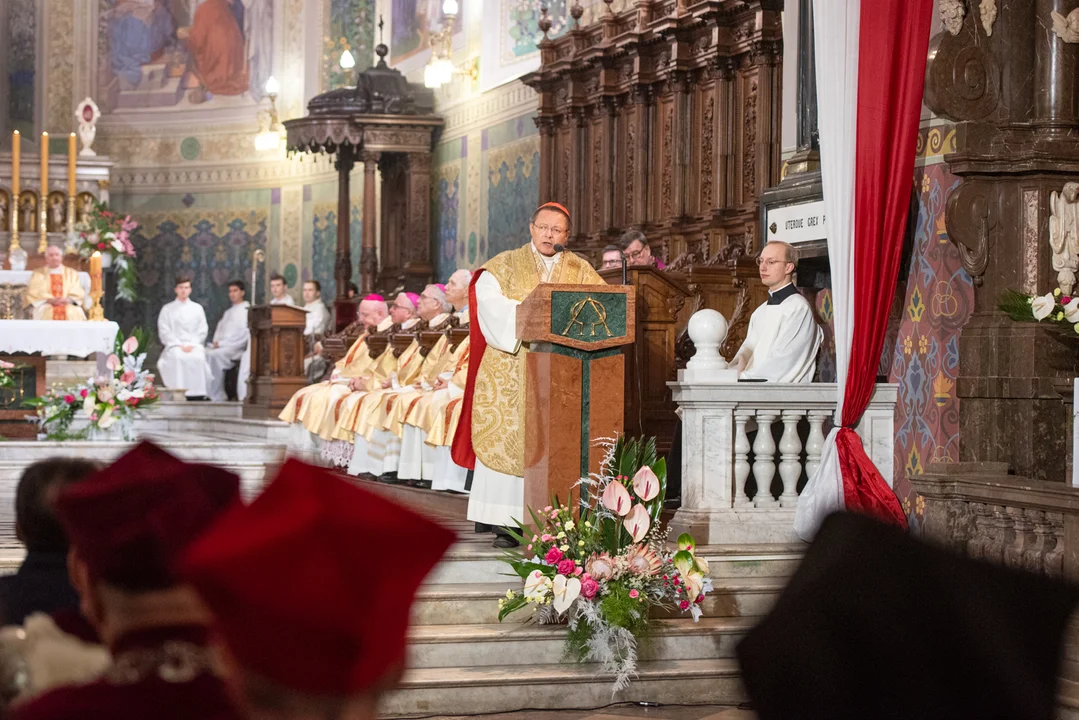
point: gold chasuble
(498, 401)
(45, 285)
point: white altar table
(58, 337)
(22, 277)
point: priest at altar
(229, 344)
(54, 291)
(307, 406)
(421, 459)
(182, 329)
(783, 336)
(491, 434)
(376, 436)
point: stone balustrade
(741, 485)
(981, 510)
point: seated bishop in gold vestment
(54, 292)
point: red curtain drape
(893, 41)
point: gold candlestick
(43, 196)
(96, 312)
(16, 145)
(71, 190)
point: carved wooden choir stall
(665, 118)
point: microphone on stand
(623, 269)
(559, 248)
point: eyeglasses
(637, 254)
(770, 263)
(554, 229)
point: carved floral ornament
(1067, 28)
(954, 12)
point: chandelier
(439, 69)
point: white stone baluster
(790, 458)
(815, 441)
(741, 458)
(764, 464)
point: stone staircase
(461, 657)
(199, 431)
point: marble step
(231, 428)
(515, 643)
(445, 691)
(226, 410)
(481, 563)
(477, 603)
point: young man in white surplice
(230, 342)
(182, 329)
(783, 337)
(279, 291)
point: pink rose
(547, 538)
(633, 594)
(553, 556)
(578, 570)
(699, 600)
(589, 587)
(565, 567)
(69, 399)
(684, 604)
(132, 401)
(1065, 300)
(82, 393)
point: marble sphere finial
(707, 329)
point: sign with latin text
(795, 224)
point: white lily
(566, 591)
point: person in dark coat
(875, 624)
(128, 525)
(41, 584)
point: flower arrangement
(105, 401)
(106, 232)
(606, 571)
(1060, 310)
(6, 377)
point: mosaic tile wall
(937, 303)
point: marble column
(369, 254)
(342, 267)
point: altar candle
(16, 144)
(44, 169)
(71, 165)
(95, 273)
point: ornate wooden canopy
(389, 124)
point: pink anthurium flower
(637, 522)
(113, 363)
(646, 484)
(130, 345)
(616, 498)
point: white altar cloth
(58, 337)
(22, 277)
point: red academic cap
(131, 520)
(312, 583)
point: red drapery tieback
(893, 41)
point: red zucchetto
(130, 521)
(311, 584)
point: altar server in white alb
(783, 337)
(279, 291)
(182, 329)
(318, 316)
(230, 342)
